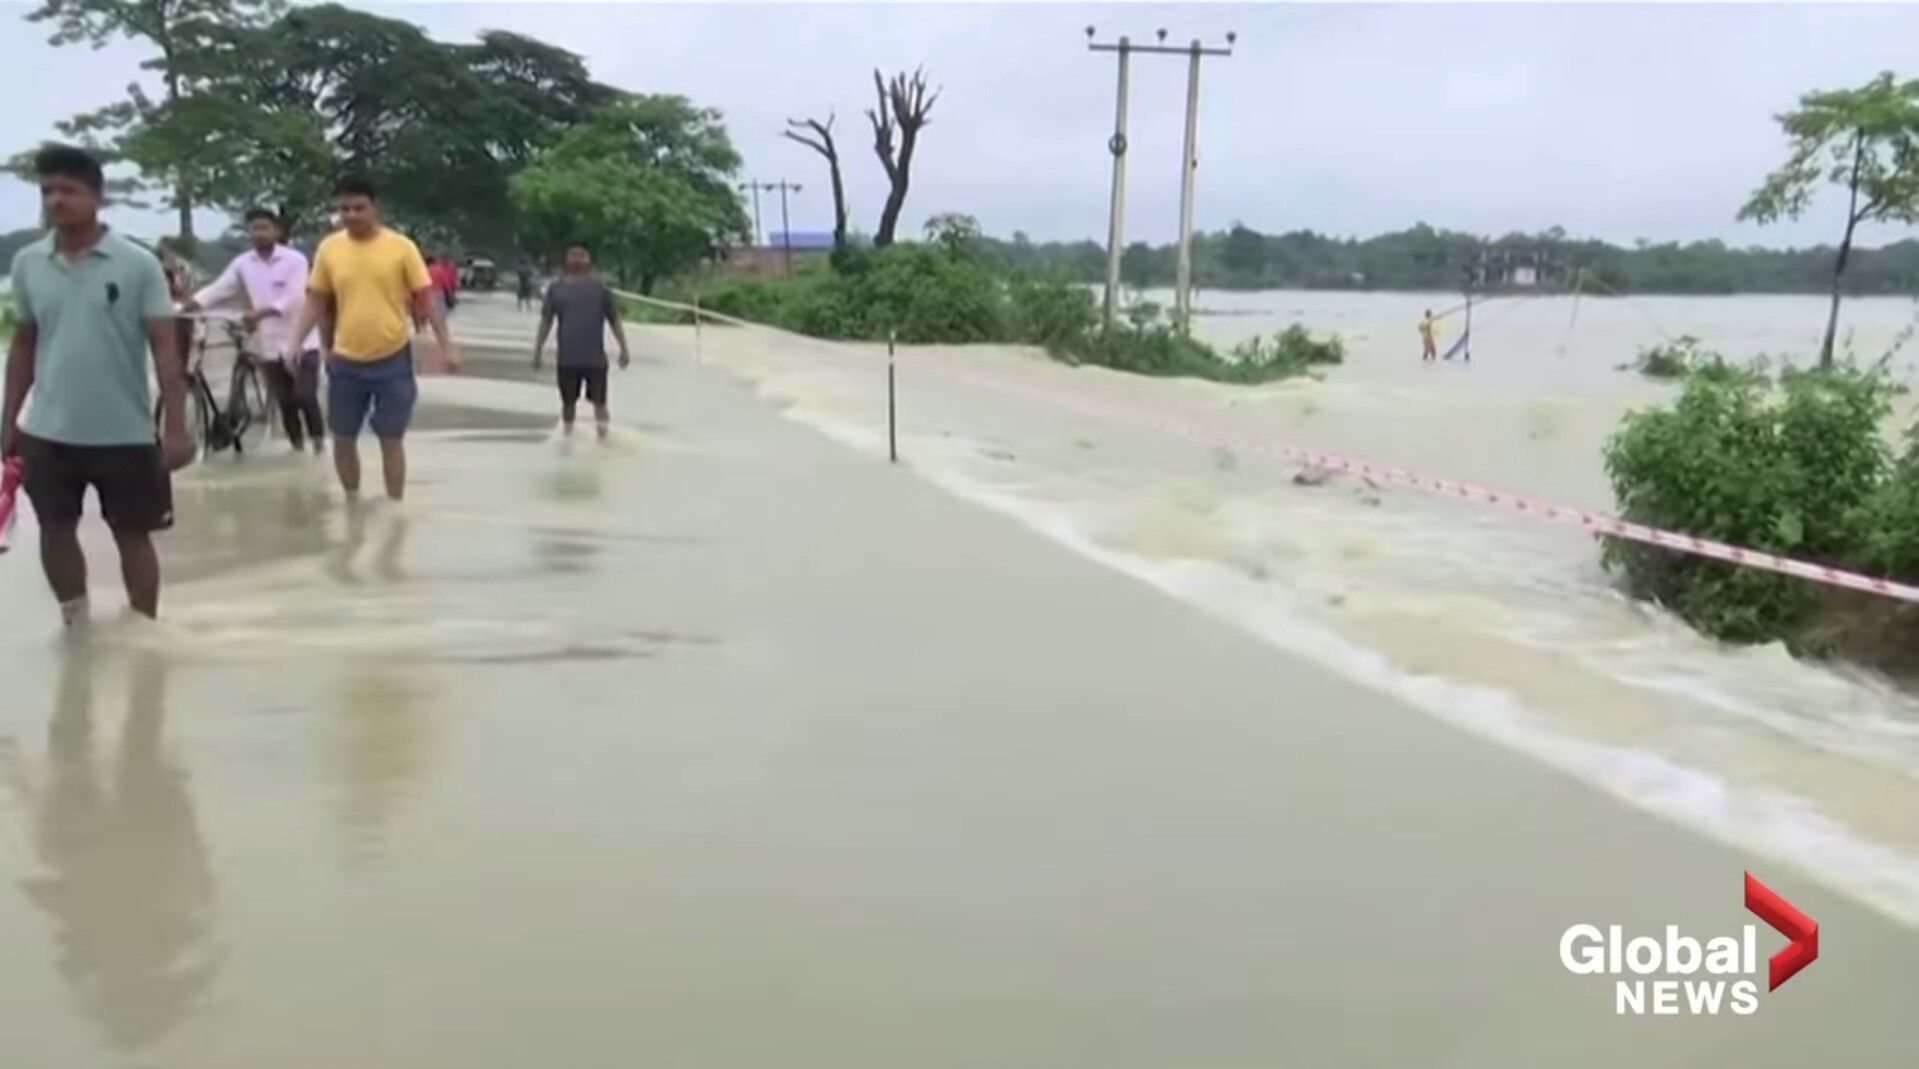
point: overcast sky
(1611, 120)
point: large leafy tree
(646, 182)
(171, 27)
(1866, 142)
(277, 109)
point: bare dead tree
(821, 141)
(903, 105)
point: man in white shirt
(272, 277)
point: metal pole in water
(1466, 354)
(892, 420)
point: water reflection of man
(388, 555)
(384, 751)
(126, 882)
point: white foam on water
(1767, 822)
(1270, 561)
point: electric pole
(786, 232)
(1116, 214)
(759, 238)
(1189, 165)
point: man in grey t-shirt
(93, 309)
(585, 308)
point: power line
(1124, 48)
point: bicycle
(245, 417)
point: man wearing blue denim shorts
(376, 284)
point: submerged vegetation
(1678, 358)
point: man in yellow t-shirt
(376, 285)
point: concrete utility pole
(759, 239)
(786, 231)
(1116, 215)
(1115, 237)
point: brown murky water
(724, 746)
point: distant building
(800, 247)
(1514, 266)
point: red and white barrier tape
(1598, 523)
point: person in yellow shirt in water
(1428, 338)
(376, 284)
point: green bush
(1292, 351)
(1153, 346)
(1675, 359)
(1801, 468)
(927, 293)
(1051, 313)
(923, 292)
(944, 293)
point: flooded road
(725, 745)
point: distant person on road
(375, 281)
(92, 306)
(525, 286)
(446, 283)
(585, 308)
(272, 278)
(1428, 338)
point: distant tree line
(1424, 258)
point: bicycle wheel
(199, 414)
(257, 399)
(247, 408)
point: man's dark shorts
(590, 379)
(132, 482)
(377, 392)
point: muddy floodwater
(1061, 743)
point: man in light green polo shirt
(92, 305)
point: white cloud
(1621, 121)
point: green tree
(170, 26)
(955, 232)
(646, 182)
(1243, 254)
(1136, 265)
(287, 106)
(1864, 140)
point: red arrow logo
(1794, 925)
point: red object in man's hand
(11, 474)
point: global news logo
(1681, 974)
